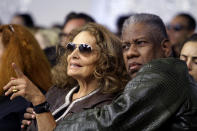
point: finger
(8, 85)
(12, 88)
(26, 122)
(29, 116)
(13, 83)
(22, 126)
(12, 78)
(17, 70)
(18, 93)
(30, 110)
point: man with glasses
(73, 21)
(159, 95)
(180, 28)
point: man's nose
(132, 51)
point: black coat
(161, 97)
(11, 113)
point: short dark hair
(119, 23)
(190, 20)
(27, 18)
(74, 15)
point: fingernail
(33, 116)
(28, 123)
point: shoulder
(166, 80)
(55, 96)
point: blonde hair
(21, 48)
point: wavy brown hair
(21, 48)
(110, 69)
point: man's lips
(133, 67)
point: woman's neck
(86, 87)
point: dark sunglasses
(83, 48)
(176, 27)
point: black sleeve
(147, 102)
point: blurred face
(83, 56)
(189, 55)
(178, 30)
(138, 48)
(17, 20)
(72, 24)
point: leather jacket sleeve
(148, 101)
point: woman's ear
(166, 48)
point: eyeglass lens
(83, 48)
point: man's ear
(166, 47)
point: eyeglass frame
(176, 27)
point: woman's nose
(189, 64)
(75, 53)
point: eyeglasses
(62, 34)
(83, 48)
(176, 27)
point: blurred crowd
(81, 76)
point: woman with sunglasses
(18, 45)
(91, 73)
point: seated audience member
(119, 24)
(181, 27)
(48, 38)
(18, 45)
(160, 95)
(189, 55)
(91, 73)
(24, 19)
(73, 21)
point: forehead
(137, 31)
(190, 48)
(73, 24)
(84, 37)
(179, 20)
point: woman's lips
(75, 65)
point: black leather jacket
(161, 97)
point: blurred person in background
(24, 19)
(189, 55)
(180, 28)
(18, 45)
(74, 20)
(119, 24)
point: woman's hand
(28, 117)
(22, 86)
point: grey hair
(157, 27)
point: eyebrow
(193, 57)
(134, 40)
